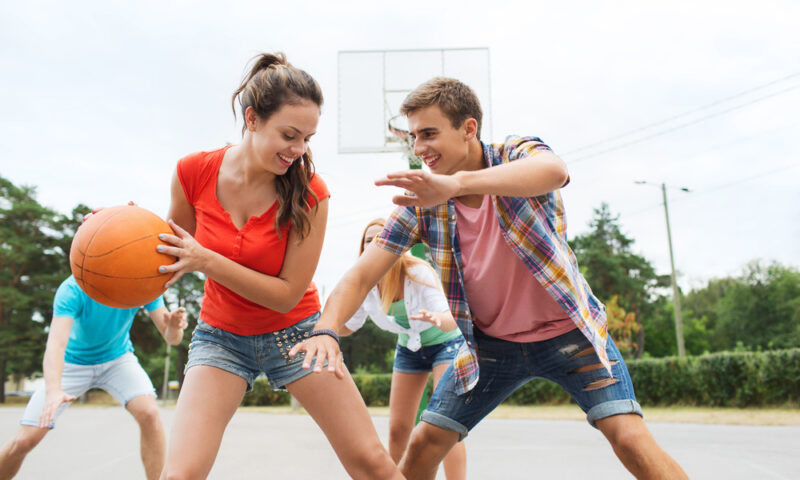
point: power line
(681, 115)
(717, 187)
(683, 125)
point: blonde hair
(392, 282)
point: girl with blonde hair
(409, 301)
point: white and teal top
(417, 296)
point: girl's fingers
(178, 230)
(172, 239)
(174, 251)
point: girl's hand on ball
(191, 255)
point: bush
(262, 394)
(728, 379)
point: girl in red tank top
(251, 218)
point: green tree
(150, 345)
(33, 261)
(188, 293)
(760, 309)
(368, 349)
(612, 269)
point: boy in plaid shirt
(494, 220)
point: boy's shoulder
(514, 147)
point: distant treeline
(758, 310)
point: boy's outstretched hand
(425, 189)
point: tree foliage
(369, 349)
(619, 276)
(760, 309)
(34, 245)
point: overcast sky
(100, 99)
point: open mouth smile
(286, 160)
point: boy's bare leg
(637, 449)
(14, 452)
(428, 446)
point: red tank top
(256, 246)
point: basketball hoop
(400, 136)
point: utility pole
(676, 297)
(165, 385)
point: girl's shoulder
(319, 187)
(197, 171)
(423, 273)
(198, 162)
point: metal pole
(676, 298)
(165, 386)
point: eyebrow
(298, 130)
(426, 129)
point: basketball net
(400, 136)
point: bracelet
(324, 331)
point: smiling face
(441, 146)
(283, 138)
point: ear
(470, 128)
(250, 119)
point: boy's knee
(427, 436)
(145, 413)
(629, 434)
(26, 440)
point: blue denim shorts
(249, 355)
(122, 377)
(568, 360)
(424, 359)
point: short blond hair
(456, 100)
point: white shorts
(122, 377)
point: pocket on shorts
(205, 328)
(290, 336)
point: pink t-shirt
(506, 300)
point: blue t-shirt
(99, 333)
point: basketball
(113, 256)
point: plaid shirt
(534, 227)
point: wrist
(324, 331)
(461, 183)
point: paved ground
(102, 443)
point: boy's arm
(169, 324)
(527, 177)
(53, 367)
(342, 303)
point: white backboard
(374, 83)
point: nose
(299, 148)
(418, 147)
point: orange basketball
(114, 259)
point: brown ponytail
(272, 83)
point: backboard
(374, 83)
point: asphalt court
(103, 442)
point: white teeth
(286, 159)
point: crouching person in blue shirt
(89, 346)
